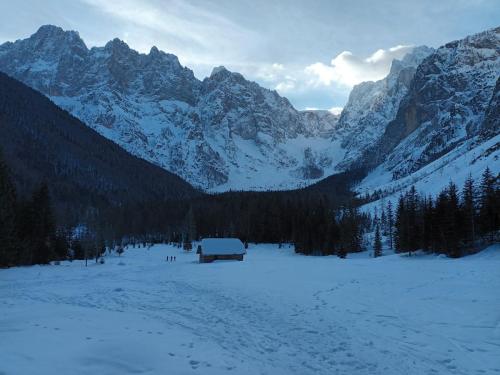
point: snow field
(274, 313)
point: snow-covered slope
(447, 126)
(466, 160)
(220, 133)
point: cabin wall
(211, 258)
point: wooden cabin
(221, 249)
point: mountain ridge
(150, 105)
(227, 133)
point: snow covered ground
(275, 313)
(456, 166)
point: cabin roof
(222, 246)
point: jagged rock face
(372, 105)
(220, 133)
(491, 124)
(451, 99)
(228, 101)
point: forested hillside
(85, 171)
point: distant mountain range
(222, 132)
(226, 132)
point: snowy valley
(365, 242)
(275, 313)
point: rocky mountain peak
(219, 70)
(447, 106)
(154, 51)
(372, 105)
(52, 38)
(118, 46)
(221, 74)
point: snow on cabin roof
(222, 246)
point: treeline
(315, 223)
(33, 232)
(454, 223)
(28, 232)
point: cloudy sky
(311, 51)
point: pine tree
(43, 231)
(192, 234)
(468, 207)
(412, 229)
(428, 224)
(452, 223)
(390, 224)
(376, 220)
(401, 226)
(8, 238)
(350, 232)
(489, 219)
(77, 249)
(439, 223)
(377, 243)
(383, 220)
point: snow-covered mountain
(220, 133)
(226, 132)
(372, 105)
(447, 125)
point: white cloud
(333, 110)
(291, 81)
(270, 73)
(191, 32)
(344, 71)
(285, 86)
(348, 70)
(336, 110)
(275, 76)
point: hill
(84, 170)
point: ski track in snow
(274, 313)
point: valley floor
(274, 313)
